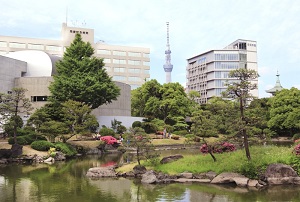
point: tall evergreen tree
(82, 78)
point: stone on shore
(149, 177)
(278, 174)
(228, 177)
(172, 158)
(99, 172)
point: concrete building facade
(126, 64)
(208, 72)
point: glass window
(134, 62)
(117, 61)
(119, 69)
(39, 98)
(17, 45)
(119, 78)
(3, 44)
(134, 54)
(134, 86)
(134, 70)
(146, 71)
(53, 48)
(36, 46)
(217, 74)
(108, 68)
(134, 78)
(146, 63)
(106, 60)
(146, 55)
(119, 53)
(103, 52)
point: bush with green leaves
(21, 140)
(149, 127)
(107, 132)
(41, 145)
(67, 149)
(296, 136)
(136, 124)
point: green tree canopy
(285, 111)
(81, 77)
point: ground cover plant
(231, 162)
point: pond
(66, 181)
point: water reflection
(66, 181)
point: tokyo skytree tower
(168, 67)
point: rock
(49, 160)
(149, 177)
(16, 150)
(227, 177)
(278, 173)
(183, 180)
(59, 156)
(139, 170)
(129, 174)
(5, 153)
(278, 170)
(252, 183)
(172, 158)
(209, 175)
(99, 172)
(3, 161)
(186, 175)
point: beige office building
(126, 64)
(207, 73)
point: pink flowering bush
(109, 140)
(218, 148)
(297, 149)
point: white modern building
(126, 64)
(208, 72)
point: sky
(196, 26)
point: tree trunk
(244, 129)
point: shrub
(149, 127)
(67, 149)
(109, 140)
(21, 140)
(181, 132)
(249, 170)
(136, 124)
(107, 132)
(33, 137)
(41, 145)
(218, 148)
(296, 136)
(175, 137)
(297, 149)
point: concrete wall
(9, 70)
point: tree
(78, 116)
(241, 91)
(285, 111)
(138, 139)
(13, 105)
(82, 77)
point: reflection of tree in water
(153, 193)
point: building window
(146, 71)
(106, 60)
(119, 78)
(146, 55)
(39, 98)
(117, 61)
(217, 74)
(119, 69)
(134, 70)
(134, 78)
(134, 54)
(134, 62)
(107, 69)
(3, 44)
(226, 65)
(243, 57)
(146, 63)
(119, 53)
(53, 48)
(17, 45)
(103, 52)
(36, 46)
(226, 57)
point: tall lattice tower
(168, 67)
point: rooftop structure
(277, 86)
(168, 67)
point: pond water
(66, 181)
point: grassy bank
(230, 162)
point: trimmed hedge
(21, 140)
(107, 132)
(41, 145)
(26, 139)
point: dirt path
(27, 150)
